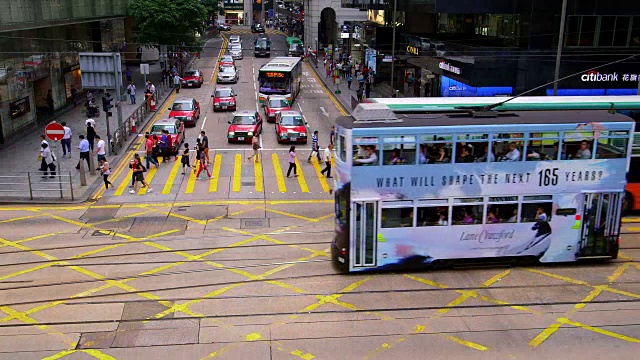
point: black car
(257, 28)
(223, 27)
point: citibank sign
(448, 67)
(593, 76)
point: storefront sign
(594, 76)
(413, 50)
(450, 68)
(19, 107)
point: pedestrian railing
(34, 185)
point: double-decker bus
(627, 105)
(280, 76)
(424, 189)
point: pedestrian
(91, 135)
(332, 135)
(205, 146)
(84, 148)
(255, 145)
(50, 100)
(149, 145)
(105, 170)
(132, 165)
(48, 161)
(203, 166)
(176, 82)
(360, 78)
(198, 150)
(359, 93)
(156, 148)
(90, 122)
(139, 171)
(367, 90)
(349, 78)
(327, 161)
(131, 90)
(315, 148)
(184, 159)
(101, 149)
(164, 146)
(292, 161)
(43, 140)
(66, 140)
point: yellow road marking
(150, 175)
(59, 355)
(191, 182)
(282, 187)
(290, 214)
(19, 218)
(301, 180)
(237, 173)
(322, 178)
(215, 175)
(257, 173)
(172, 175)
(598, 330)
(123, 184)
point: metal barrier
(20, 183)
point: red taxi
(273, 104)
(244, 125)
(291, 127)
(192, 78)
(186, 110)
(175, 128)
(226, 60)
(224, 98)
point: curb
(345, 107)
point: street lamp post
(560, 43)
(393, 46)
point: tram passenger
(370, 157)
(396, 159)
(465, 155)
(583, 153)
(513, 154)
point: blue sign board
(270, 13)
(453, 88)
(344, 28)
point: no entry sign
(54, 131)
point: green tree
(212, 8)
(168, 22)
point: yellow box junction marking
(237, 173)
(321, 178)
(151, 173)
(257, 173)
(215, 175)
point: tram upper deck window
(612, 145)
(508, 147)
(578, 145)
(399, 150)
(435, 149)
(365, 151)
(473, 148)
(543, 146)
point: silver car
(235, 39)
(227, 74)
(235, 51)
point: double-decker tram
(280, 76)
(417, 190)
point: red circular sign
(54, 131)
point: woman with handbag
(106, 171)
(255, 144)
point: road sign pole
(106, 118)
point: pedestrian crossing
(232, 173)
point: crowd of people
(345, 68)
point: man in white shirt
(66, 140)
(90, 122)
(100, 149)
(327, 161)
(43, 141)
(513, 154)
(370, 158)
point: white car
(227, 74)
(236, 51)
(235, 39)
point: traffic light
(107, 103)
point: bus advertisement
(626, 105)
(280, 76)
(520, 186)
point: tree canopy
(169, 22)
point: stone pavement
(21, 156)
(347, 97)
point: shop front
(618, 79)
(234, 12)
(466, 77)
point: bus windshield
(274, 82)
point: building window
(607, 27)
(588, 30)
(621, 35)
(635, 31)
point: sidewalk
(21, 156)
(347, 97)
